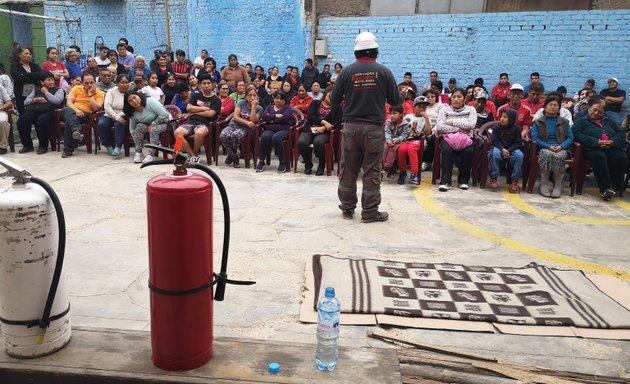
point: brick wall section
(565, 47)
(141, 22)
(265, 32)
(105, 18)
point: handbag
(458, 140)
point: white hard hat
(365, 40)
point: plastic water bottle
(328, 312)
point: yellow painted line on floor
(622, 203)
(516, 201)
(423, 195)
(616, 201)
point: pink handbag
(458, 140)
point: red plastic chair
(217, 127)
(574, 162)
(59, 125)
(484, 140)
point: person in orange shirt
(82, 101)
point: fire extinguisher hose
(221, 278)
(44, 322)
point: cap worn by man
(421, 100)
(481, 95)
(365, 40)
(613, 79)
(517, 87)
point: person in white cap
(614, 98)
(523, 113)
(365, 86)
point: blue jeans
(105, 124)
(275, 138)
(516, 162)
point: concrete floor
(280, 219)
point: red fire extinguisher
(179, 206)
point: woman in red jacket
(302, 101)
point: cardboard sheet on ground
(532, 300)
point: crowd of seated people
(129, 91)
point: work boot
(545, 184)
(380, 216)
(557, 185)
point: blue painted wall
(106, 18)
(565, 47)
(265, 32)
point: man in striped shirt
(181, 66)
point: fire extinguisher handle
(222, 280)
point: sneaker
(148, 159)
(66, 154)
(608, 194)
(41, 150)
(444, 187)
(193, 160)
(387, 170)
(3, 151)
(320, 170)
(236, 163)
(380, 216)
(110, 151)
(494, 184)
(414, 179)
(229, 160)
(137, 158)
(463, 186)
(26, 150)
(514, 186)
(77, 135)
(347, 214)
(308, 168)
(282, 168)
(402, 177)
(116, 153)
(260, 166)
(425, 166)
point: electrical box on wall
(321, 47)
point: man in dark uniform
(365, 86)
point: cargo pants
(362, 149)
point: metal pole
(15, 13)
(168, 26)
(314, 29)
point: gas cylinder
(179, 207)
(29, 246)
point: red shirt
(523, 114)
(301, 104)
(500, 93)
(56, 69)
(534, 107)
(227, 107)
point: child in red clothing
(420, 126)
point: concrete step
(98, 356)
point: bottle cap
(273, 368)
(330, 292)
